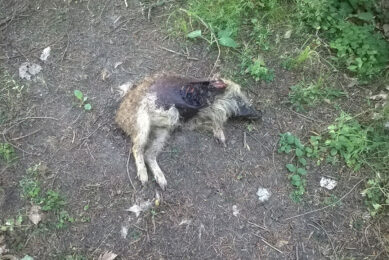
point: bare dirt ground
(99, 45)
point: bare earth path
(97, 46)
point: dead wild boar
(151, 110)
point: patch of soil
(97, 46)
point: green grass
(291, 144)
(347, 140)
(238, 25)
(11, 96)
(7, 153)
(305, 95)
(349, 27)
(50, 201)
(82, 99)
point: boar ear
(218, 84)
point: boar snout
(247, 111)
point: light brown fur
(150, 126)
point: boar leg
(219, 135)
(160, 135)
(139, 143)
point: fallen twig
(128, 171)
(245, 145)
(256, 225)
(24, 136)
(179, 53)
(308, 118)
(267, 243)
(332, 244)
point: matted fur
(149, 126)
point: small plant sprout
(80, 96)
(288, 143)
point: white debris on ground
(185, 221)
(263, 194)
(328, 183)
(123, 89)
(27, 70)
(117, 64)
(124, 232)
(35, 214)
(143, 206)
(282, 243)
(107, 255)
(3, 247)
(287, 34)
(235, 210)
(45, 54)
(381, 96)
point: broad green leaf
(19, 220)
(298, 143)
(87, 107)
(303, 161)
(194, 34)
(290, 138)
(78, 94)
(308, 150)
(228, 42)
(333, 152)
(291, 168)
(302, 171)
(225, 33)
(299, 152)
(296, 180)
(366, 16)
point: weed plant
(305, 95)
(50, 201)
(349, 26)
(356, 144)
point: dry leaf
(282, 243)
(45, 53)
(137, 209)
(35, 214)
(117, 64)
(381, 96)
(185, 222)
(124, 232)
(27, 70)
(9, 257)
(3, 247)
(108, 255)
(287, 34)
(385, 27)
(104, 74)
